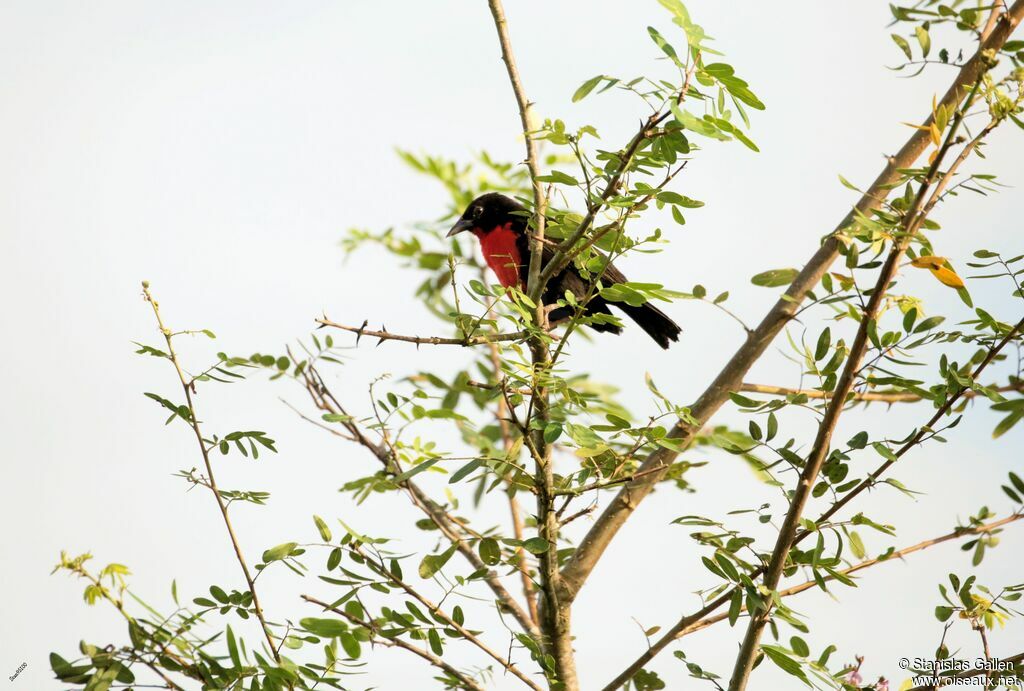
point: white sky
(220, 150)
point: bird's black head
(490, 211)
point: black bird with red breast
(500, 224)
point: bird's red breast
(501, 253)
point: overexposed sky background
(220, 150)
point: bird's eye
(477, 210)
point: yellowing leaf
(948, 277)
(928, 261)
(938, 267)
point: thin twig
(385, 335)
(212, 484)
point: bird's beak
(460, 225)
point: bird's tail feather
(652, 320)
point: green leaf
(435, 642)
(904, 46)
(669, 197)
(924, 39)
(735, 606)
(824, 341)
(536, 545)
(432, 563)
(743, 401)
(233, 648)
(857, 545)
(328, 628)
(665, 46)
(416, 470)
(279, 552)
(785, 662)
(490, 551)
(325, 532)
(558, 177)
(1017, 482)
(775, 278)
(350, 645)
(552, 432)
(466, 470)
(586, 87)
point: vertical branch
(822, 442)
(513, 504)
(529, 126)
(554, 617)
(193, 420)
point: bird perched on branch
(500, 224)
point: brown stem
(607, 525)
(554, 617)
(481, 339)
(194, 423)
(528, 127)
(866, 396)
(513, 503)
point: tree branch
(385, 335)
(884, 396)
(529, 127)
(554, 616)
(193, 421)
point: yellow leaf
(948, 277)
(936, 135)
(938, 267)
(928, 261)
(932, 155)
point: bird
(500, 224)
